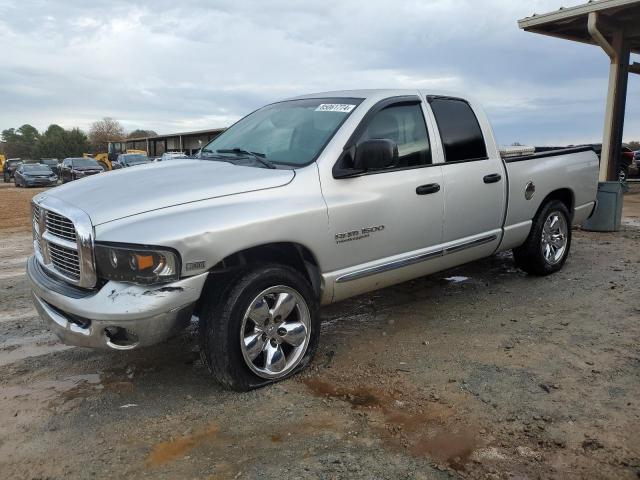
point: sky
(194, 64)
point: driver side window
(404, 125)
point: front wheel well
(291, 254)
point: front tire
(547, 247)
(262, 328)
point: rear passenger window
(405, 125)
(459, 129)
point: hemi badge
(195, 266)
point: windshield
(290, 133)
(40, 169)
(134, 159)
(85, 162)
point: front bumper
(40, 183)
(141, 315)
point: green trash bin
(608, 212)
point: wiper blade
(260, 157)
(241, 151)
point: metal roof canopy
(614, 25)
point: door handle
(492, 178)
(427, 189)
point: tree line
(27, 142)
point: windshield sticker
(335, 107)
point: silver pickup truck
(302, 203)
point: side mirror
(375, 154)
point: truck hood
(121, 193)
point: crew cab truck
(302, 203)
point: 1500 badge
(357, 234)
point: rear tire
(261, 328)
(547, 247)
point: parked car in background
(624, 162)
(9, 168)
(34, 175)
(634, 169)
(126, 160)
(75, 168)
(52, 163)
(627, 164)
(173, 156)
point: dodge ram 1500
(302, 203)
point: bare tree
(138, 133)
(104, 131)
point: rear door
(473, 175)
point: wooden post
(614, 114)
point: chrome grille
(65, 260)
(35, 220)
(63, 241)
(60, 226)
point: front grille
(65, 260)
(63, 243)
(35, 220)
(60, 226)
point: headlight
(137, 264)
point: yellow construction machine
(114, 149)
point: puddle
(358, 397)
(12, 273)
(166, 452)
(453, 448)
(18, 314)
(15, 262)
(457, 279)
(34, 398)
(19, 349)
(432, 432)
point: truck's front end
(104, 296)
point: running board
(405, 262)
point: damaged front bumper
(118, 316)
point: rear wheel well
(564, 195)
(294, 255)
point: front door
(380, 219)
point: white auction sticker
(335, 107)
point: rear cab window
(460, 131)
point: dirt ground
(478, 372)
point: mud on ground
(478, 372)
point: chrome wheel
(554, 237)
(275, 332)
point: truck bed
(573, 171)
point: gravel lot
(478, 372)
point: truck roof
(377, 93)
